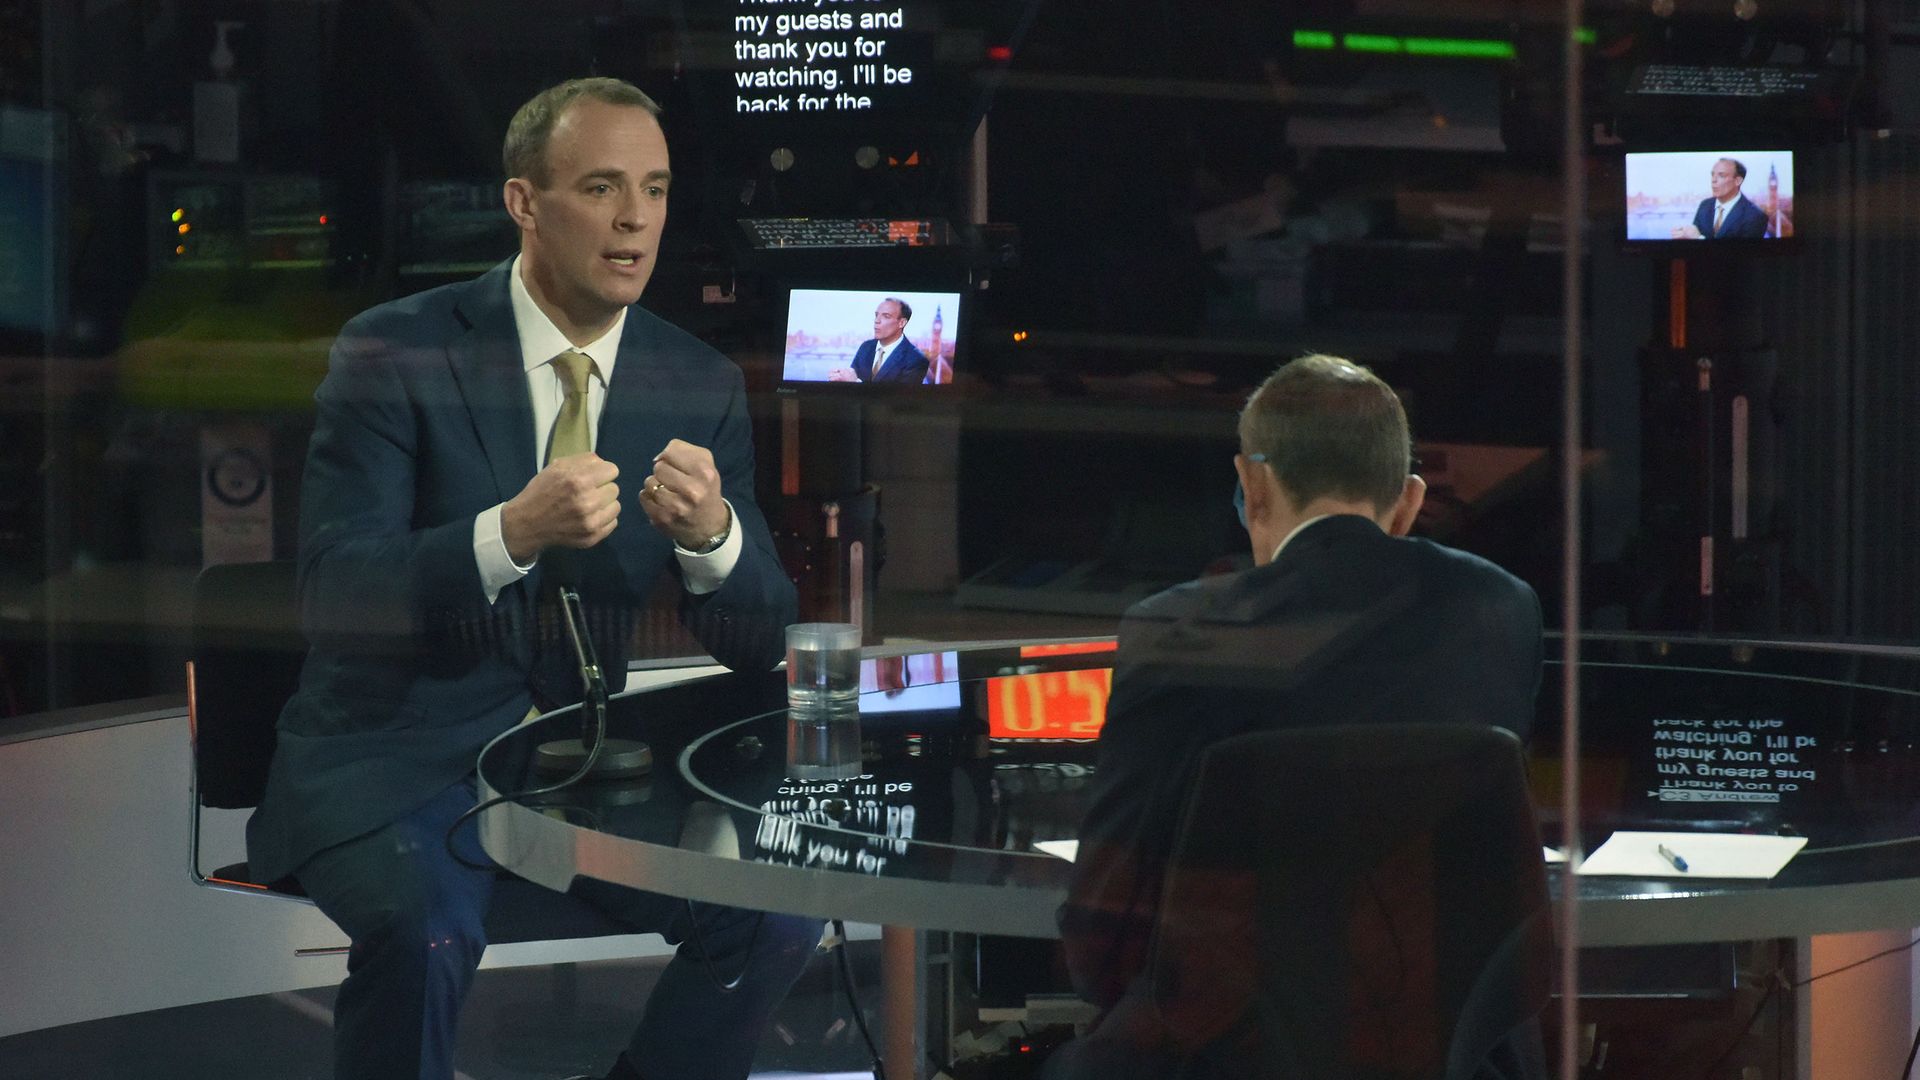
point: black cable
(1865, 845)
(1911, 1051)
(1857, 963)
(1914, 1049)
(853, 999)
(1774, 982)
(593, 725)
(579, 774)
(706, 961)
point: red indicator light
(999, 54)
(1071, 648)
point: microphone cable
(593, 728)
(853, 998)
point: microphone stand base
(620, 759)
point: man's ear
(1407, 507)
(1253, 486)
(518, 195)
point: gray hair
(1329, 427)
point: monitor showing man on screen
(1709, 195)
(855, 336)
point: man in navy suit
(1726, 214)
(889, 357)
(1343, 619)
(468, 439)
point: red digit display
(1049, 705)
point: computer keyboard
(774, 233)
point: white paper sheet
(1705, 855)
(1065, 849)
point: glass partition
(999, 278)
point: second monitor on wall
(837, 335)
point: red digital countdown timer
(1049, 704)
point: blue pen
(1677, 862)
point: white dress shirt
(540, 342)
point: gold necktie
(1719, 216)
(572, 434)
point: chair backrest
(246, 657)
(1354, 902)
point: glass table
(972, 755)
(975, 754)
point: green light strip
(1371, 43)
(1465, 47)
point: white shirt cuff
(497, 568)
(703, 574)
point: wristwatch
(712, 543)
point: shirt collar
(541, 341)
(1728, 205)
(1288, 539)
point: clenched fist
(570, 503)
(682, 496)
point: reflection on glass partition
(1695, 734)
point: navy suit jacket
(1744, 222)
(422, 422)
(1347, 626)
(905, 364)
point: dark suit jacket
(1347, 626)
(1744, 222)
(905, 364)
(422, 422)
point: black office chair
(244, 665)
(1357, 902)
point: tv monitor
(914, 683)
(1710, 202)
(833, 335)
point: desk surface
(972, 755)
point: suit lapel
(487, 367)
